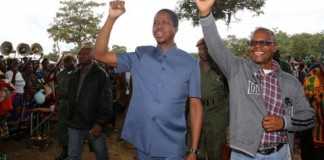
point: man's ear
(175, 30)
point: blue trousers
(76, 139)
(282, 154)
(143, 156)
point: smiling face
(163, 28)
(262, 48)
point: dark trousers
(306, 145)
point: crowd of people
(232, 107)
(25, 86)
(36, 93)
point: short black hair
(85, 49)
(265, 30)
(68, 59)
(173, 17)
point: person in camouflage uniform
(313, 141)
(215, 103)
(69, 63)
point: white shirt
(20, 82)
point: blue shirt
(162, 82)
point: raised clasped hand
(204, 6)
(117, 8)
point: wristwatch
(193, 151)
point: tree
(52, 57)
(75, 22)
(237, 46)
(223, 9)
(299, 45)
(283, 42)
(119, 49)
(317, 44)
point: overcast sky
(28, 20)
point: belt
(271, 150)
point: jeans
(76, 139)
(143, 156)
(282, 154)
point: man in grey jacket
(267, 105)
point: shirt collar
(275, 68)
(168, 52)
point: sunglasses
(261, 43)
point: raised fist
(204, 6)
(117, 8)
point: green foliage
(223, 9)
(52, 57)
(282, 39)
(297, 45)
(75, 22)
(300, 45)
(238, 46)
(119, 49)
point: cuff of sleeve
(193, 151)
(205, 16)
(286, 122)
(207, 20)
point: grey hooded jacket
(246, 104)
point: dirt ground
(23, 149)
